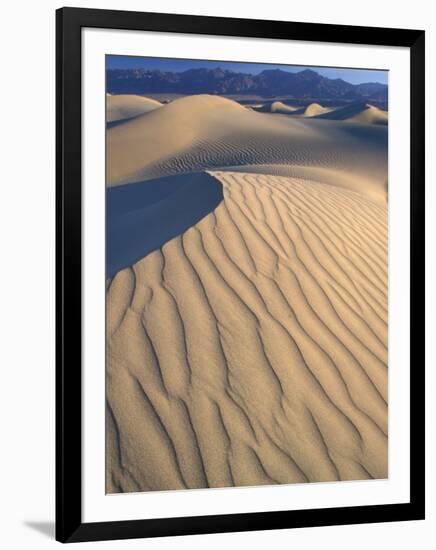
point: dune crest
(134, 214)
(241, 365)
(123, 106)
(315, 109)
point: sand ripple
(251, 349)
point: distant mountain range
(268, 83)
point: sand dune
(208, 132)
(276, 107)
(359, 112)
(251, 349)
(121, 107)
(246, 341)
(315, 109)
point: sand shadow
(142, 217)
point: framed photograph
(240, 275)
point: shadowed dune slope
(207, 132)
(251, 349)
(358, 112)
(144, 216)
(124, 106)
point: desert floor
(247, 294)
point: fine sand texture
(251, 347)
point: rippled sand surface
(251, 348)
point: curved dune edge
(134, 214)
(125, 106)
(252, 349)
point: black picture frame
(69, 525)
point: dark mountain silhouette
(373, 90)
(273, 82)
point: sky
(354, 76)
